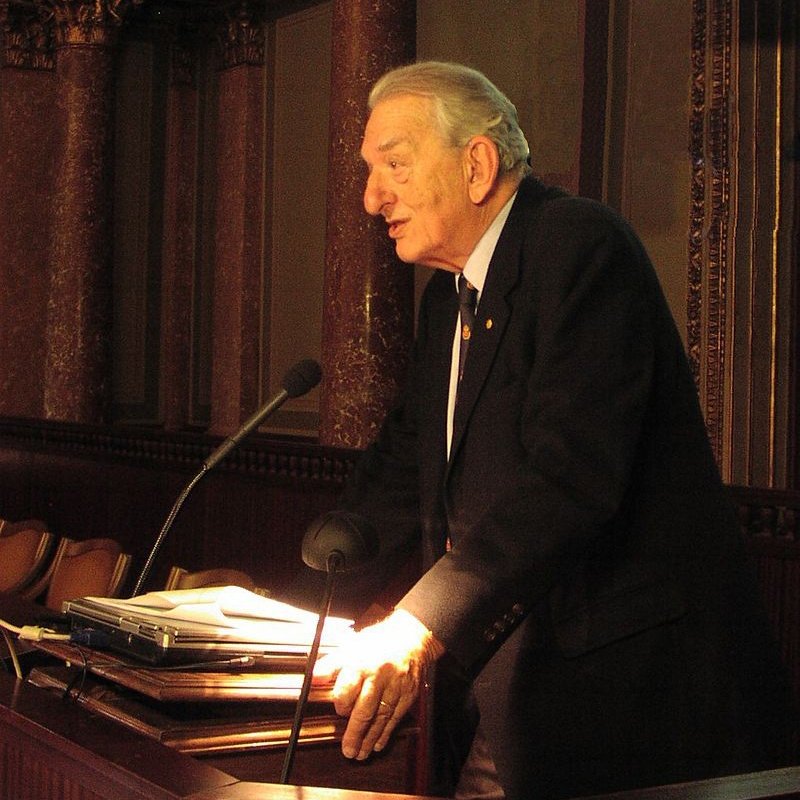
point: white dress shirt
(475, 271)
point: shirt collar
(477, 266)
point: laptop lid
(205, 625)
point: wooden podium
(55, 750)
(238, 722)
(104, 739)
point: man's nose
(375, 196)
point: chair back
(180, 578)
(92, 567)
(25, 549)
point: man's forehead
(397, 121)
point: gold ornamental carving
(88, 22)
(241, 38)
(27, 36)
(709, 223)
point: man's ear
(483, 166)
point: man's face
(418, 183)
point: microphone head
(351, 537)
(302, 377)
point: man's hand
(379, 673)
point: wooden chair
(92, 567)
(180, 578)
(25, 548)
(7, 527)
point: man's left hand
(379, 674)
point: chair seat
(25, 549)
(91, 567)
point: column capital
(241, 35)
(88, 22)
(27, 36)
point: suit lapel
(490, 323)
(441, 322)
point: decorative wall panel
(742, 326)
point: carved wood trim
(88, 22)
(710, 206)
(278, 459)
(27, 37)
(770, 518)
(242, 37)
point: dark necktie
(467, 297)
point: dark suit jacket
(597, 589)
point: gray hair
(466, 104)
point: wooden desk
(56, 748)
(776, 784)
(52, 750)
(229, 720)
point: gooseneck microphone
(337, 541)
(299, 380)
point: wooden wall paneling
(742, 236)
(299, 88)
(52, 749)
(648, 171)
(200, 363)
(770, 521)
(591, 172)
(763, 279)
(710, 212)
(138, 230)
(180, 228)
(250, 513)
(15, 485)
(793, 153)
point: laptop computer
(204, 626)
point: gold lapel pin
(489, 324)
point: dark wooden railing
(249, 513)
(770, 519)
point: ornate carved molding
(88, 22)
(698, 185)
(241, 37)
(259, 457)
(183, 64)
(770, 518)
(27, 36)
(710, 205)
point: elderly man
(585, 589)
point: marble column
(26, 173)
(77, 363)
(239, 220)
(367, 325)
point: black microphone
(348, 538)
(301, 378)
(337, 541)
